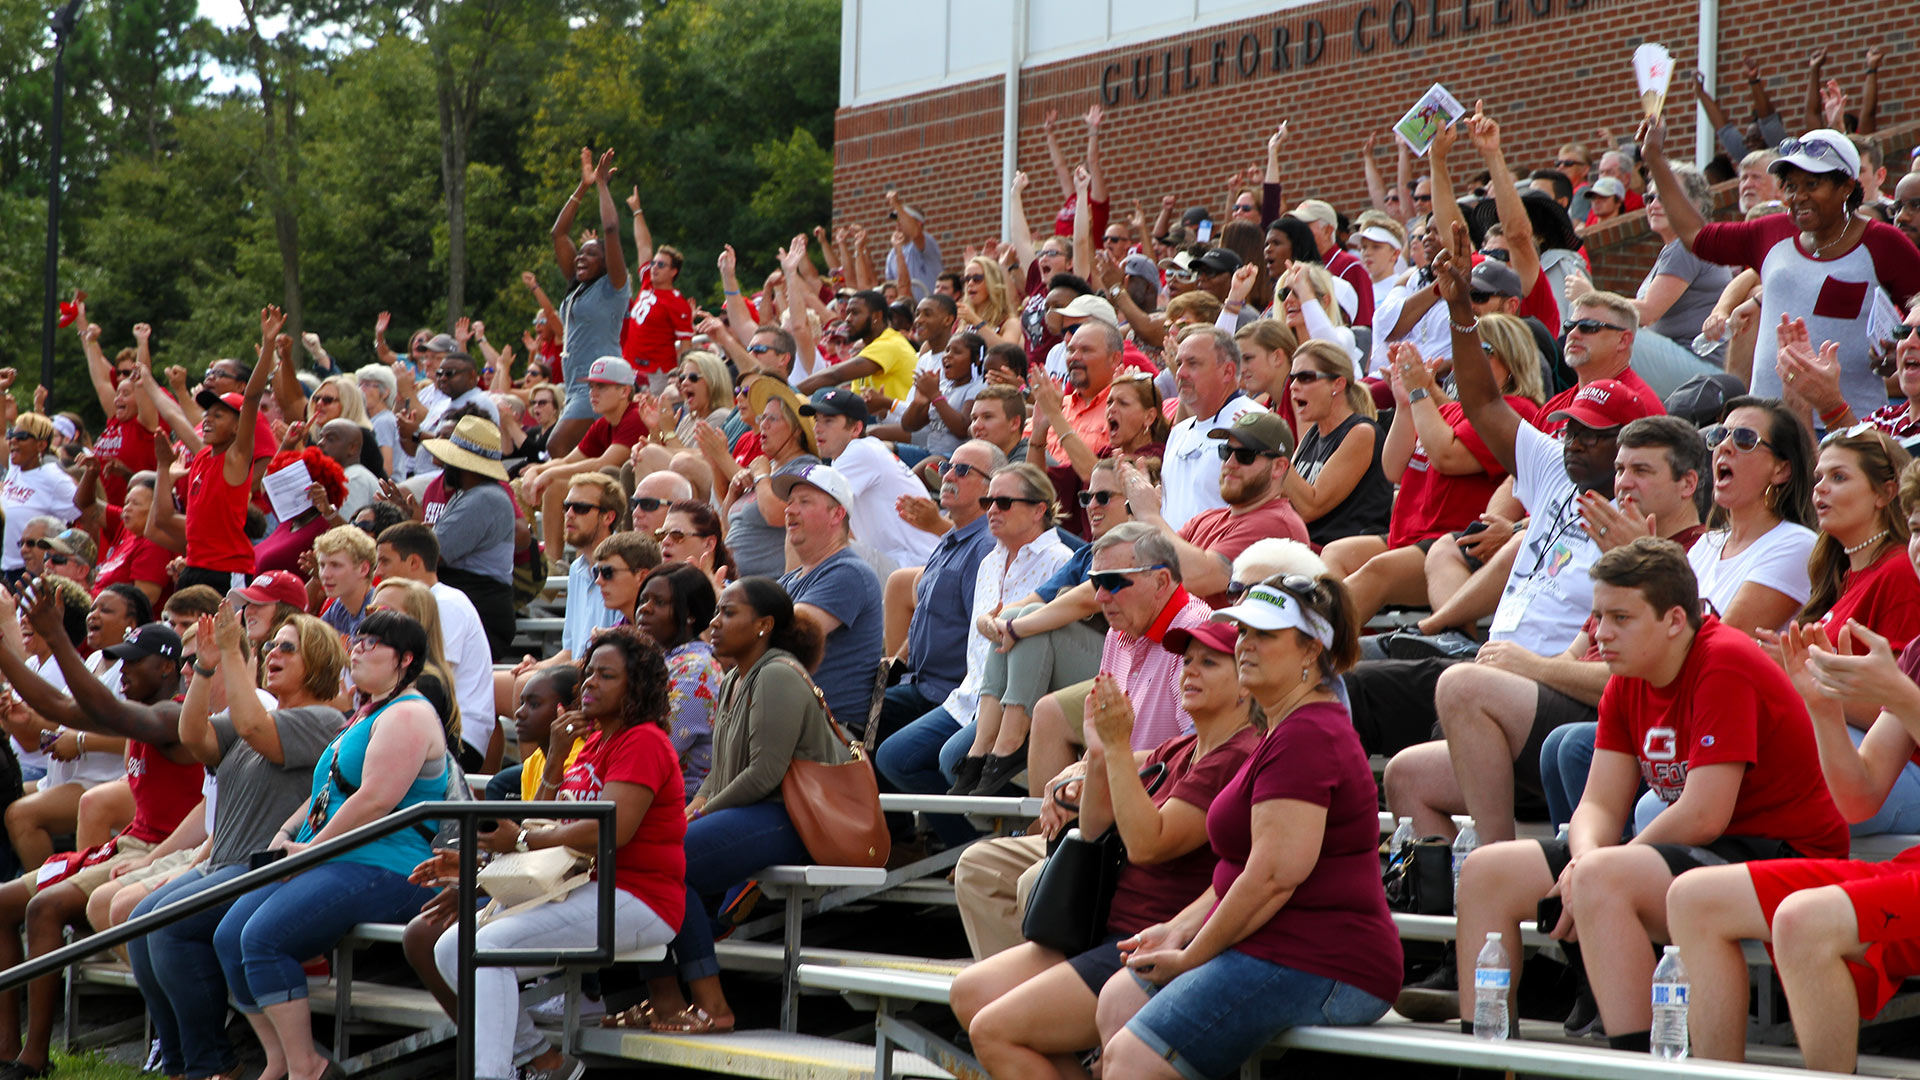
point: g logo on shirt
(1659, 744)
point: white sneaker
(554, 1009)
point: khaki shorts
(161, 870)
(1073, 704)
(92, 877)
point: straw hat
(474, 446)
(762, 387)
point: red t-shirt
(655, 325)
(1336, 923)
(1223, 533)
(1565, 398)
(652, 866)
(130, 558)
(1885, 598)
(1432, 503)
(1540, 304)
(163, 791)
(1097, 224)
(217, 517)
(1730, 703)
(126, 442)
(601, 434)
(1153, 894)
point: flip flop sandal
(693, 1020)
(638, 1017)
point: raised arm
(251, 721)
(1082, 222)
(1017, 229)
(562, 232)
(100, 709)
(1446, 208)
(287, 391)
(1403, 175)
(238, 467)
(196, 732)
(1870, 97)
(381, 351)
(99, 370)
(1681, 213)
(616, 260)
(1524, 253)
(532, 283)
(642, 235)
(1061, 172)
(1096, 182)
(1496, 422)
(165, 526)
(1816, 65)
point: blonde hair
(1270, 334)
(713, 372)
(1377, 219)
(349, 540)
(353, 404)
(1329, 357)
(1613, 304)
(36, 425)
(418, 601)
(1198, 304)
(1322, 282)
(999, 304)
(1513, 343)
(322, 654)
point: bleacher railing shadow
(466, 813)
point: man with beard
(885, 360)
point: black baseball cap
(151, 639)
(837, 401)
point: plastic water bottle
(1399, 842)
(1463, 846)
(1704, 345)
(1491, 978)
(1669, 1036)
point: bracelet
(1233, 307)
(204, 672)
(1012, 634)
(1832, 416)
(80, 741)
(940, 399)
(730, 292)
(1471, 328)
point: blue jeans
(269, 932)
(1210, 1020)
(1901, 812)
(922, 759)
(179, 975)
(725, 848)
(1566, 756)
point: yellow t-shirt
(534, 765)
(895, 355)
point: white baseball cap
(1819, 151)
(611, 369)
(825, 477)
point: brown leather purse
(836, 808)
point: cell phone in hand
(1476, 527)
(264, 858)
(1205, 232)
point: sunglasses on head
(573, 507)
(1860, 428)
(646, 504)
(1745, 439)
(1112, 581)
(1589, 326)
(1817, 149)
(1243, 454)
(1004, 503)
(1088, 498)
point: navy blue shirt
(844, 587)
(943, 610)
(1072, 573)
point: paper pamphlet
(287, 491)
(1435, 109)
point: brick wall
(1554, 70)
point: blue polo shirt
(844, 587)
(586, 612)
(943, 610)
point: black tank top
(1366, 509)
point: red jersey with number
(129, 444)
(656, 324)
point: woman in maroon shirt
(1295, 929)
(1029, 1002)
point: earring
(763, 633)
(1303, 674)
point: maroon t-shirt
(1336, 923)
(601, 434)
(1153, 894)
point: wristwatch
(1418, 393)
(1114, 291)
(520, 842)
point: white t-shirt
(30, 493)
(471, 659)
(878, 480)
(1549, 593)
(1777, 560)
(95, 767)
(48, 669)
(423, 461)
(1190, 473)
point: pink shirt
(1150, 674)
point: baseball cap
(611, 369)
(1609, 186)
(1138, 265)
(1090, 306)
(1700, 400)
(1257, 429)
(442, 343)
(825, 477)
(837, 401)
(207, 399)
(1220, 637)
(1217, 261)
(72, 542)
(1179, 260)
(1176, 236)
(149, 639)
(1318, 211)
(276, 587)
(1605, 404)
(1818, 151)
(1496, 277)
(1195, 215)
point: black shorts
(1552, 709)
(1098, 964)
(1681, 858)
(1452, 538)
(1393, 702)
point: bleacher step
(773, 1055)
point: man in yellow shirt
(886, 358)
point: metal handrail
(464, 811)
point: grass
(90, 1066)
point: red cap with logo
(276, 586)
(1604, 404)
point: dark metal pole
(63, 21)
(469, 894)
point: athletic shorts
(89, 878)
(1681, 858)
(1552, 709)
(1886, 904)
(1453, 538)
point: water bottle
(1463, 846)
(1704, 346)
(1491, 978)
(1669, 1035)
(1399, 842)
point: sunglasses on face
(1745, 439)
(1479, 297)
(1181, 276)
(1901, 332)
(678, 536)
(1119, 239)
(58, 559)
(327, 400)
(759, 350)
(1307, 375)
(1113, 581)
(17, 433)
(366, 527)
(1004, 503)
(604, 572)
(286, 647)
(1423, 198)
(1088, 498)
(581, 507)
(1568, 163)
(689, 376)
(973, 279)
(959, 470)
(1245, 208)
(1590, 326)
(647, 504)
(1499, 254)
(1244, 455)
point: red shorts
(1886, 904)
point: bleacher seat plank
(772, 1055)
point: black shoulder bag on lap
(1068, 908)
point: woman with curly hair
(986, 303)
(629, 761)
(769, 713)
(282, 548)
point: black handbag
(1419, 878)
(1068, 907)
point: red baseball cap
(1220, 637)
(276, 587)
(207, 399)
(1605, 404)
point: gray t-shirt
(760, 549)
(593, 316)
(257, 796)
(476, 531)
(1705, 282)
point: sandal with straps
(636, 1017)
(693, 1020)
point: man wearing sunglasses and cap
(1821, 261)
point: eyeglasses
(1307, 375)
(605, 572)
(959, 470)
(1590, 326)
(1005, 503)
(1088, 498)
(1243, 454)
(646, 504)
(1745, 439)
(973, 279)
(287, 648)
(572, 507)
(1578, 434)
(363, 642)
(329, 399)
(1112, 581)
(1181, 276)
(1817, 149)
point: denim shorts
(1207, 1022)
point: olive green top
(768, 715)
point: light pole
(63, 20)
